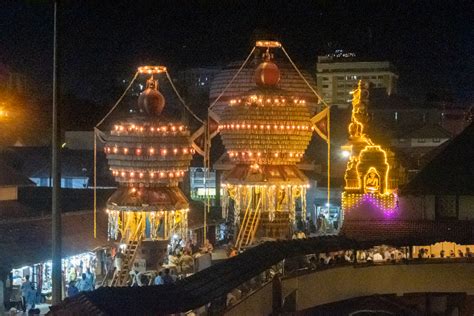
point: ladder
(133, 241)
(249, 225)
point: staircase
(133, 241)
(249, 224)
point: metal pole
(329, 158)
(56, 173)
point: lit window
(396, 116)
(436, 140)
(421, 140)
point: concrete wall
(348, 282)
(466, 207)
(259, 303)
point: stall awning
(27, 241)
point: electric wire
(233, 79)
(118, 101)
(181, 99)
(302, 77)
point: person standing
(90, 279)
(31, 298)
(83, 285)
(207, 248)
(233, 252)
(25, 288)
(187, 263)
(72, 290)
(167, 278)
(159, 279)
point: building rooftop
(27, 241)
(10, 177)
(35, 162)
(450, 172)
(429, 131)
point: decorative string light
(148, 174)
(151, 150)
(141, 130)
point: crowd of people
(424, 253)
(85, 284)
(179, 262)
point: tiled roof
(28, 240)
(429, 131)
(450, 172)
(35, 162)
(11, 177)
(38, 199)
(216, 281)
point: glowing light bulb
(345, 153)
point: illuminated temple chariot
(370, 180)
(266, 132)
(148, 154)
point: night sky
(429, 42)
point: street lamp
(345, 154)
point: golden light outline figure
(378, 148)
(367, 161)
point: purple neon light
(372, 199)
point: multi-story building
(201, 184)
(337, 75)
(198, 80)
